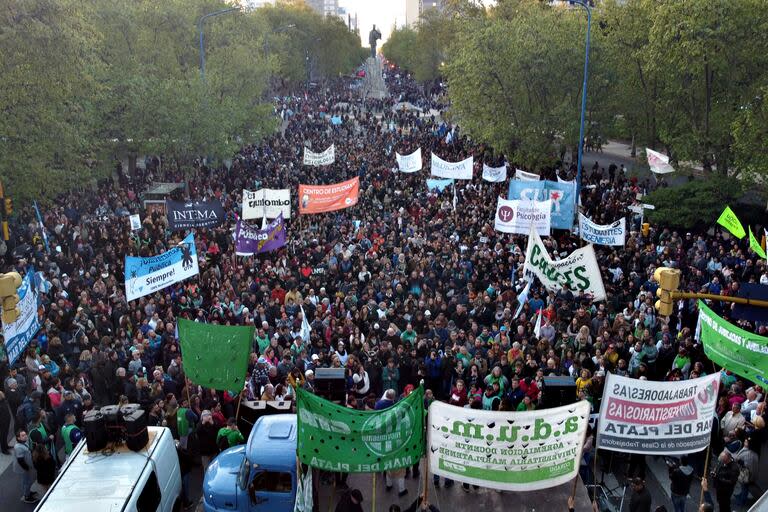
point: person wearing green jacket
(70, 433)
(390, 376)
(229, 436)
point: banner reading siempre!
(510, 451)
(144, 276)
(18, 334)
(328, 198)
(742, 352)
(643, 416)
(332, 437)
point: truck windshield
(242, 474)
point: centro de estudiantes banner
(328, 198)
(144, 276)
(327, 157)
(267, 202)
(510, 451)
(18, 334)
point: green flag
(215, 356)
(733, 348)
(755, 245)
(336, 438)
(731, 222)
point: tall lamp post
(585, 5)
(200, 29)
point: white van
(119, 479)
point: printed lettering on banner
(409, 163)
(457, 170)
(267, 202)
(561, 194)
(327, 157)
(19, 333)
(526, 176)
(194, 214)
(510, 451)
(495, 174)
(328, 198)
(579, 270)
(144, 276)
(520, 216)
(135, 220)
(611, 234)
(649, 417)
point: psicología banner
(267, 202)
(409, 163)
(610, 234)
(520, 216)
(18, 334)
(144, 276)
(327, 157)
(561, 194)
(328, 198)
(510, 451)
(457, 170)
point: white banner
(658, 162)
(19, 333)
(516, 216)
(495, 174)
(510, 451)
(409, 163)
(525, 176)
(456, 170)
(135, 220)
(327, 157)
(611, 234)
(267, 202)
(670, 418)
(579, 270)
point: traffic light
(8, 206)
(646, 229)
(669, 281)
(9, 287)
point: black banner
(197, 214)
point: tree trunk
(633, 151)
(706, 162)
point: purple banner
(250, 241)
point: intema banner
(147, 275)
(643, 416)
(520, 216)
(611, 234)
(327, 157)
(511, 451)
(195, 214)
(579, 270)
(409, 163)
(328, 198)
(267, 202)
(457, 170)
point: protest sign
(409, 163)
(457, 170)
(561, 194)
(135, 222)
(658, 162)
(215, 356)
(526, 176)
(144, 276)
(195, 214)
(438, 185)
(520, 216)
(731, 222)
(328, 198)
(742, 352)
(335, 438)
(670, 417)
(495, 174)
(611, 234)
(327, 157)
(19, 333)
(267, 202)
(250, 241)
(510, 451)
(579, 270)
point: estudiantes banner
(610, 234)
(510, 451)
(520, 216)
(643, 416)
(328, 198)
(195, 214)
(267, 202)
(409, 163)
(327, 157)
(579, 270)
(457, 170)
(18, 334)
(144, 276)
(742, 352)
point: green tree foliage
(697, 203)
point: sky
(384, 13)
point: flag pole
(373, 497)
(706, 467)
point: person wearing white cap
(206, 435)
(309, 381)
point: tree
(696, 204)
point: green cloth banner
(215, 356)
(731, 222)
(755, 245)
(742, 352)
(336, 438)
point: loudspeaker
(110, 413)
(128, 409)
(558, 391)
(113, 421)
(331, 384)
(95, 431)
(136, 433)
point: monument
(373, 36)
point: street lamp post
(200, 29)
(585, 5)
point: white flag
(525, 176)
(523, 298)
(306, 330)
(658, 162)
(537, 327)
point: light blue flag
(336, 120)
(561, 194)
(144, 276)
(439, 185)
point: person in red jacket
(458, 394)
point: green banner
(731, 222)
(215, 356)
(336, 438)
(742, 352)
(755, 245)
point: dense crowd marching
(398, 289)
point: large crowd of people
(404, 287)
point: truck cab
(260, 475)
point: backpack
(24, 414)
(744, 474)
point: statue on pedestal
(373, 36)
